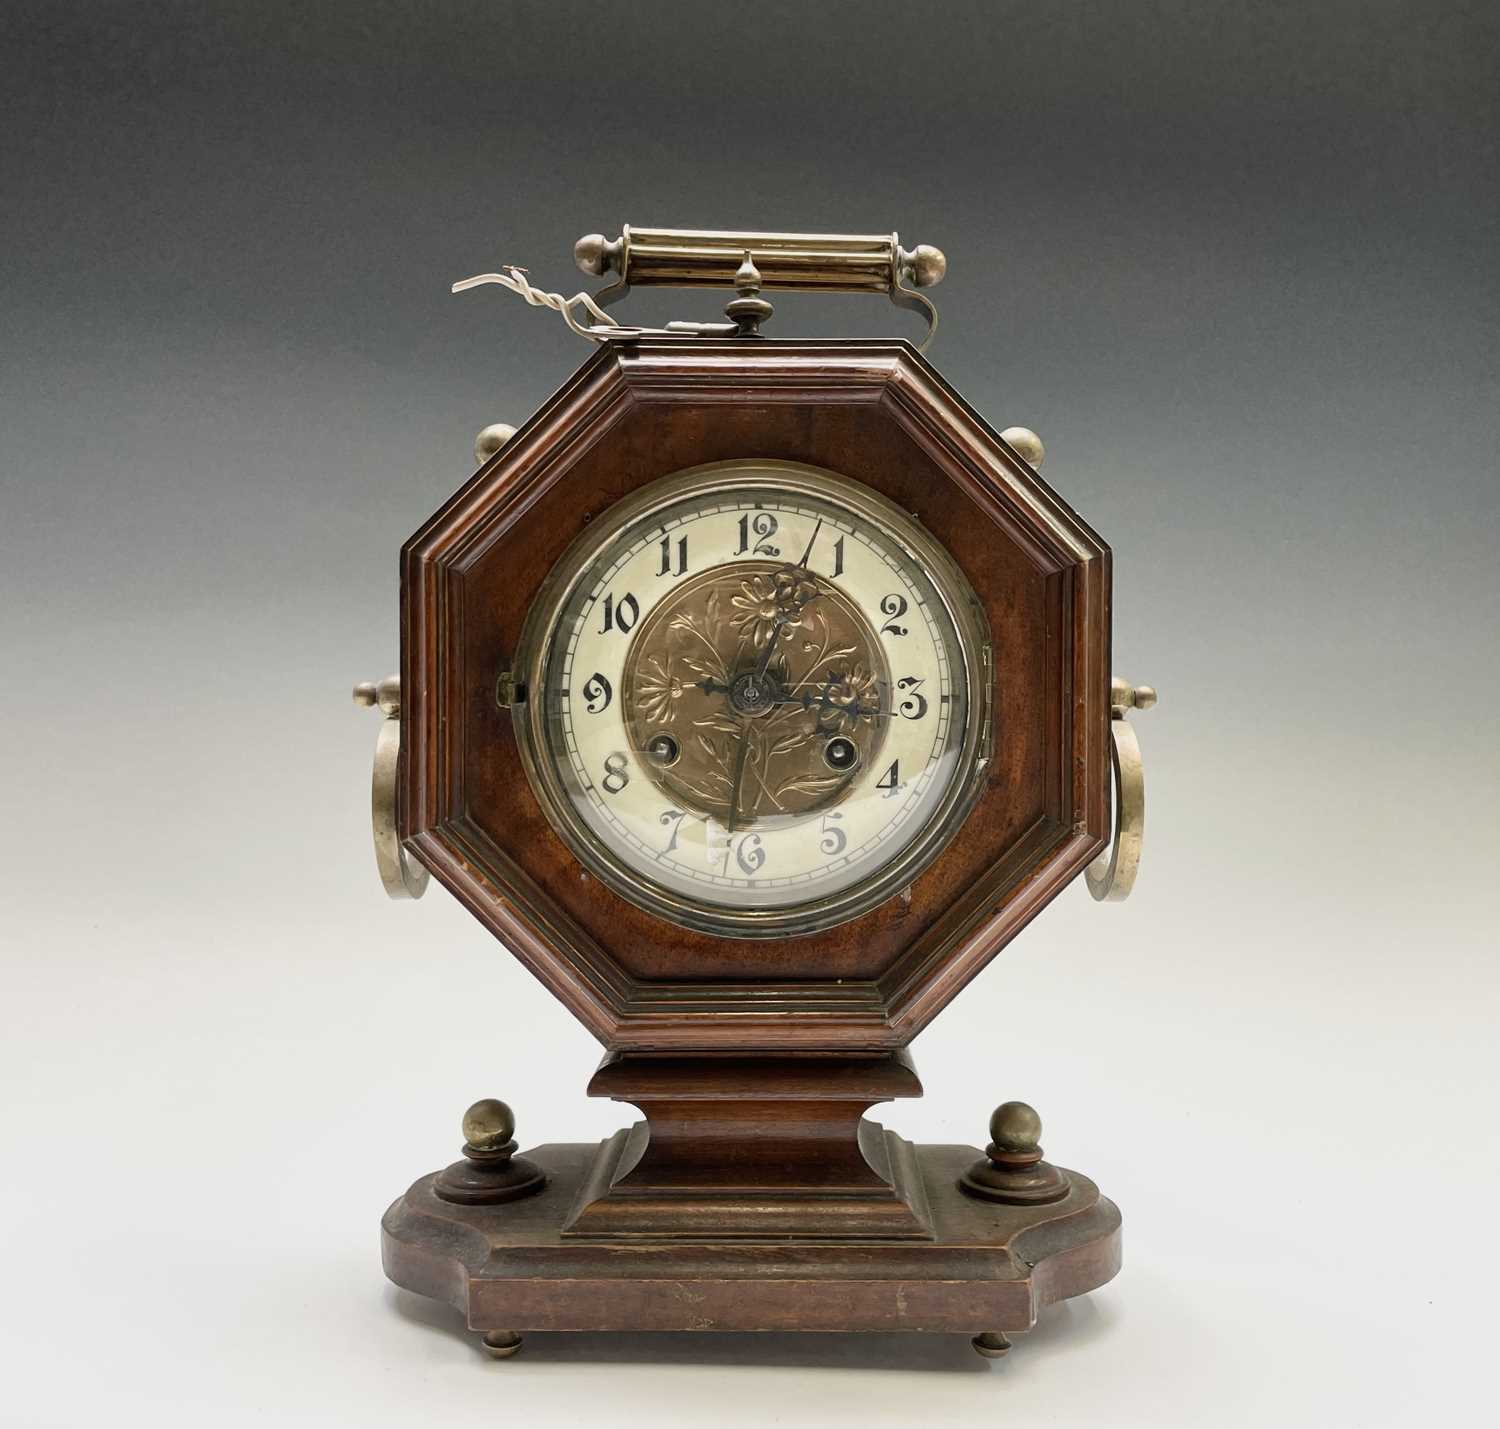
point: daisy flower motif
(757, 609)
(794, 588)
(657, 691)
(768, 602)
(855, 692)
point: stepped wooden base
(986, 1269)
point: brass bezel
(812, 915)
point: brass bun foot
(502, 1344)
(993, 1345)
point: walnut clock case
(754, 693)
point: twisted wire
(514, 279)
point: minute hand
(811, 541)
(783, 620)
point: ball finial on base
(488, 1124)
(490, 1172)
(1015, 1127)
(1012, 1170)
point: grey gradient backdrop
(1235, 262)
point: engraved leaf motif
(722, 723)
(810, 784)
(711, 784)
(656, 691)
(704, 669)
(702, 655)
(788, 742)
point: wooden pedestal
(757, 1198)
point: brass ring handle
(400, 876)
(1111, 876)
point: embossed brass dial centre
(752, 668)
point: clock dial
(757, 698)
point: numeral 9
(598, 692)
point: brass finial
(488, 1124)
(1012, 1170)
(490, 440)
(1125, 696)
(1026, 445)
(749, 310)
(490, 1172)
(386, 693)
(596, 255)
(924, 266)
(1015, 1128)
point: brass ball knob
(1026, 444)
(927, 265)
(489, 1124)
(386, 693)
(491, 439)
(1015, 1127)
(589, 253)
(1125, 696)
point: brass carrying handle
(817, 262)
(709, 258)
(1111, 876)
(400, 875)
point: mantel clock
(754, 693)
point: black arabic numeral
(895, 607)
(598, 692)
(890, 781)
(620, 616)
(616, 775)
(668, 566)
(755, 533)
(915, 705)
(834, 841)
(750, 855)
(838, 558)
(675, 818)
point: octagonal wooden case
(640, 410)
